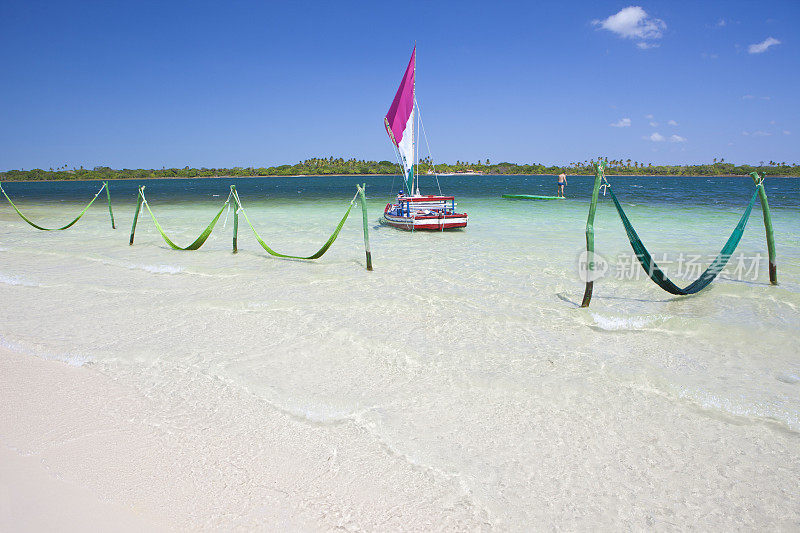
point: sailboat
(412, 210)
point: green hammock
(198, 242)
(80, 215)
(658, 276)
(319, 253)
(235, 196)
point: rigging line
(228, 210)
(424, 134)
(416, 150)
(402, 167)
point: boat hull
(426, 222)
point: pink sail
(403, 104)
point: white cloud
(633, 22)
(748, 97)
(655, 137)
(745, 133)
(721, 23)
(653, 124)
(787, 132)
(648, 116)
(707, 55)
(766, 97)
(621, 123)
(672, 123)
(677, 139)
(761, 47)
(760, 133)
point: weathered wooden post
(366, 224)
(598, 178)
(110, 212)
(762, 195)
(136, 214)
(235, 219)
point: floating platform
(532, 197)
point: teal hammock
(658, 276)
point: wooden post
(366, 224)
(762, 195)
(598, 178)
(110, 212)
(136, 214)
(235, 219)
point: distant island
(339, 166)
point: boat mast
(414, 137)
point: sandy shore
(41, 460)
(80, 452)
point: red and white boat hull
(426, 222)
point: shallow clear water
(464, 353)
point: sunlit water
(463, 353)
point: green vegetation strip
(76, 219)
(330, 166)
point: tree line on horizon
(340, 166)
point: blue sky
(221, 84)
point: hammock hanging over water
(238, 208)
(76, 219)
(653, 271)
(657, 275)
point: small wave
(773, 411)
(68, 358)
(153, 269)
(613, 323)
(13, 280)
(791, 379)
(322, 416)
(159, 269)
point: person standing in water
(562, 180)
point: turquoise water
(463, 357)
(702, 191)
